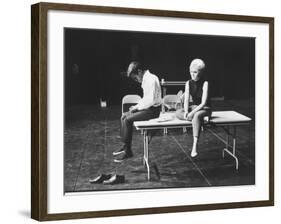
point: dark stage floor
(91, 135)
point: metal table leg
(145, 153)
(232, 154)
(227, 143)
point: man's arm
(148, 96)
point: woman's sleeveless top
(196, 91)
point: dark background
(95, 59)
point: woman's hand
(190, 116)
(185, 115)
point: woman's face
(194, 73)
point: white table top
(168, 119)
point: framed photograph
(139, 111)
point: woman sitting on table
(196, 88)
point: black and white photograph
(136, 111)
(154, 110)
(141, 111)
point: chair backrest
(180, 93)
(182, 98)
(130, 99)
(170, 101)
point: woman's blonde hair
(199, 63)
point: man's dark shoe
(99, 179)
(119, 151)
(115, 179)
(126, 155)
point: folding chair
(130, 99)
(170, 102)
(182, 101)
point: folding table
(226, 119)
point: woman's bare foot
(193, 153)
(194, 147)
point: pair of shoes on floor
(126, 155)
(99, 179)
(115, 179)
(108, 179)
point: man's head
(135, 71)
(196, 69)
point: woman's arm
(186, 99)
(203, 100)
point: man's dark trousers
(128, 119)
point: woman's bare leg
(197, 122)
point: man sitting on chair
(147, 108)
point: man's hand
(133, 109)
